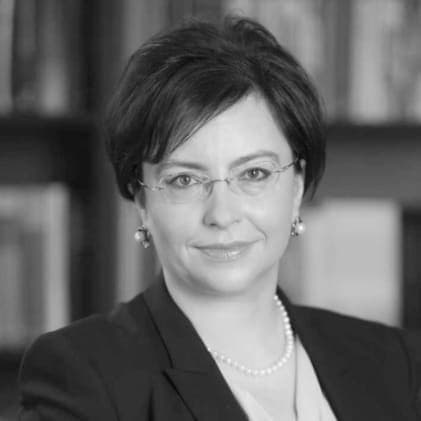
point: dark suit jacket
(146, 362)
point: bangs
(186, 103)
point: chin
(225, 281)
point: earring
(143, 236)
(298, 227)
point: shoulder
(396, 351)
(112, 343)
(79, 368)
(363, 336)
(345, 326)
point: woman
(216, 133)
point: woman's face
(226, 242)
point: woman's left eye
(255, 174)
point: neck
(247, 325)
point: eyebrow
(237, 162)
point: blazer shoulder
(412, 340)
(396, 352)
(114, 344)
(101, 358)
(339, 321)
(50, 369)
(363, 337)
(393, 347)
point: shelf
(382, 132)
(378, 161)
(35, 149)
(19, 122)
(42, 150)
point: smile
(224, 252)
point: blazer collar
(348, 376)
(194, 372)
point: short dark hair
(180, 79)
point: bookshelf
(376, 157)
(44, 153)
(349, 47)
(377, 166)
(50, 138)
(373, 160)
(39, 151)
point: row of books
(41, 57)
(34, 261)
(348, 260)
(364, 55)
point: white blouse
(310, 402)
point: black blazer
(145, 361)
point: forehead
(246, 129)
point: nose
(222, 207)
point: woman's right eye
(181, 181)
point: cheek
(276, 211)
(169, 225)
(273, 220)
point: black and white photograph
(210, 210)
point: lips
(224, 251)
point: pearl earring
(298, 227)
(143, 236)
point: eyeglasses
(187, 186)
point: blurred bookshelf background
(66, 239)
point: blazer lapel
(193, 373)
(349, 378)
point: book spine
(6, 54)
(34, 261)
(12, 326)
(25, 51)
(385, 80)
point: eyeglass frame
(226, 179)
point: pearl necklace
(289, 338)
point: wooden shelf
(31, 121)
(382, 132)
(373, 161)
(38, 149)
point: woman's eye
(182, 180)
(256, 174)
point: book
(6, 53)
(385, 64)
(12, 313)
(25, 53)
(34, 261)
(48, 57)
(349, 259)
(59, 57)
